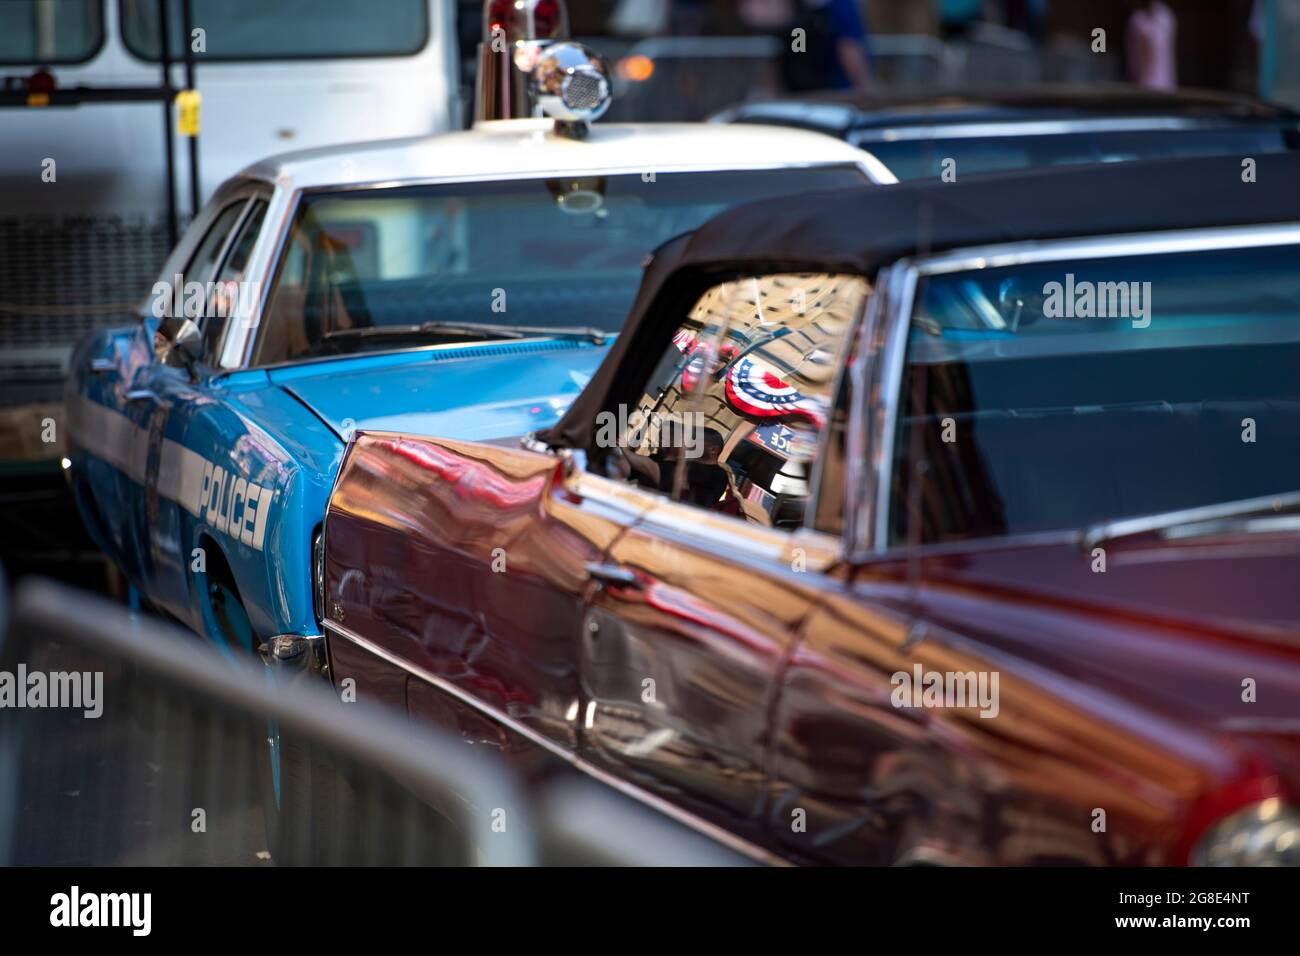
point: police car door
(168, 393)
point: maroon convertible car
(936, 523)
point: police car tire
(315, 825)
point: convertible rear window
(1056, 395)
(388, 268)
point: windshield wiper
(488, 330)
(1192, 522)
(424, 329)
(586, 333)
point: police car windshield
(439, 261)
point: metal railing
(693, 77)
(170, 771)
(157, 755)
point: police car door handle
(614, 574)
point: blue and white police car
(465, 285)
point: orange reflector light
(636, 68)
(39, 87)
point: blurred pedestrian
(1150, 46)
(956, 17)
(824, 42)
(1027, 16)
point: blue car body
(224, 463)
(171, 474)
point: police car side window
(732, 416)
(204, 261)
(228, 289)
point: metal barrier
(169, 772)
(688, 78)
(157, 754)
(693, 77)
(906, 62)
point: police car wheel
(303, 796)
(236, 632)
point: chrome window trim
(860, 347)
(862, 317)
(238, 197)
(1201, 514)
(242, 197)
(1060, 127)
(571, 757)
(237, 350)
(1097, 247)
(252, 194)
(938, 549)
(871, 168)
(664, 520)
(883, 417)
(870, 531)
(662, 516)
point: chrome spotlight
(571, 85)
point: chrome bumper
(291, 654)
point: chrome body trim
(1245, 509)
(1057, 127)
(1097, 247)
(684, 817)
(296, 653)
(855, 441)
(889, 371)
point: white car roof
(527, 147)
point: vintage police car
(465, 284)
(943, 523)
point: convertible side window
(733, 415)
(1048, 397)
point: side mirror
(178, 343)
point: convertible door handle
(141, 395)
(614, 574)
(101, 365)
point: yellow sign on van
(187, 112)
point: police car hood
(473, 392)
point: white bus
(83, 189)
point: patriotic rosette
(756, 390)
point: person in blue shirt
(834, 54)
(957, 16)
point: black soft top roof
(862, 229)
(840, 112)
